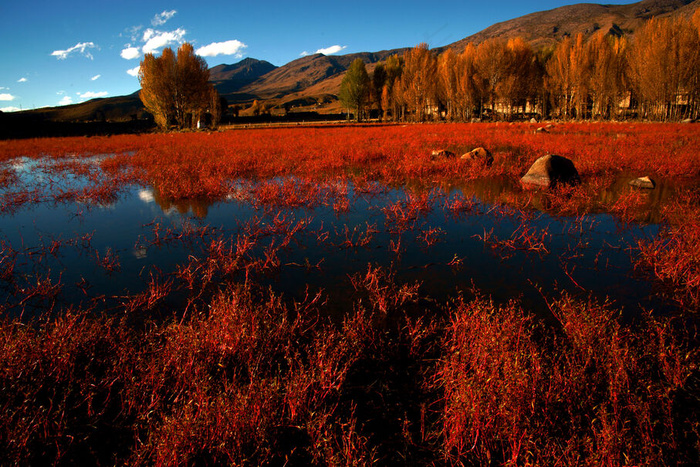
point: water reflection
(444, 248)
(198, 207)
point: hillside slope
(545, 28)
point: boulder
(643, 182)
(441, 154)
(479, 154)
(542, 130)
(550, 171)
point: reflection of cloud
(146, 196)
(140, 252)
(20, 164)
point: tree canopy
(355, 88)
(175, 88)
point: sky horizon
(60, 53)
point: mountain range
(311, 83)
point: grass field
(201, 356)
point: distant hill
(229, 79)
(545, 28)
(301, 81)
(311, 83)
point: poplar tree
(175, 88)
(355, 88)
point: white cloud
(81, 47)
(10, 109)
(6, 97)
(304, 54)
(96, 77)
(232, 47)
(66, 100)
(162, 18)
(134, 71)
(334, 49)
(22, 80)
(129, 53)
(92, 95)
(154, 40)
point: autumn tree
(664, 66)
(448, 82)
(491, 65)
(355, 88)
(418, 81)
(378, 81)
(175, 87)
(157, 78)
(608, 76)
(470, 84)
(520, 77)
(560, 80)
(393, 68)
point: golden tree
(664, 65)
(561, 79)
(608, 77)
(520, 77)
(448, 78)
(418, 81)
(157, 78)
(491, 63)
(175, 88)
(470, 88)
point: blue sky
(56, 52)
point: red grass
(240, 376)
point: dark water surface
(461, 237)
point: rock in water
(643, 182)
(550, 171)
(479, 154)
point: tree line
(655, 75)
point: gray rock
(550, 171)
(441, 154)
(541, 130)
(643, 182)
(479, 154)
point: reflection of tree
(198, 206)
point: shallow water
(456, 239)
